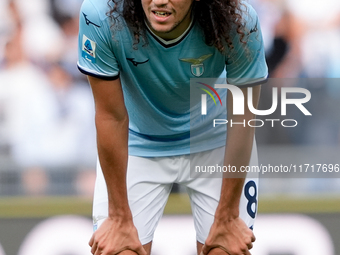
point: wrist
(226, 214)
(121, 215)
(122, 224)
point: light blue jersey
(156, 78)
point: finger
(94, 248)
(247, 253)
(203, 250)
(98, 252)
(249, 245)
(218, 251)
(253, 238)
(140, 251)
(91, 240)
(127, 252)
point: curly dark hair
(217, 18)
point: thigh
(204, 205)
(149, 182)
(205, 194)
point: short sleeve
(245, 62)
(95, 50)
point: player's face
(168, 18)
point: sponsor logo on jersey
(89, 49)
(89, 22)
(135, 63)
(197, 67)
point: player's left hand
(232, 236)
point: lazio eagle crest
(197, 67)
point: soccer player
(139, 56)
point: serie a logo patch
(89, 49)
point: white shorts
(149, 182)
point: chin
(161, 28)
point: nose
(160, 2)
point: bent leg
(149, 183)
(205, 194)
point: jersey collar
(172, 42)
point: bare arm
(117, 233)
(238, 151)
(229, 232)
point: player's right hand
(115, 236)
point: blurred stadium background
(47, 135)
